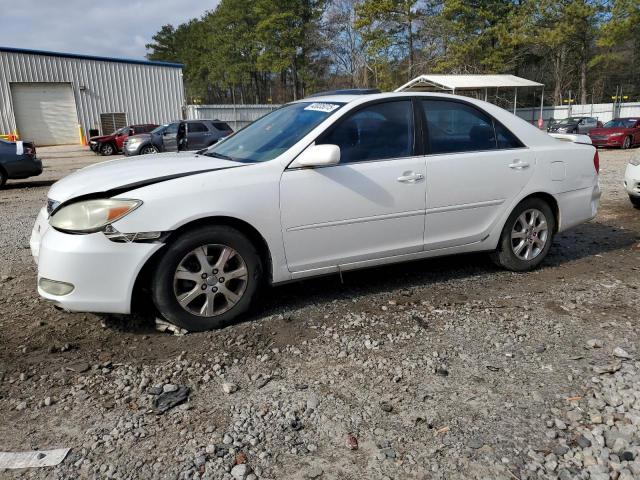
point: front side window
(171, 129)
(378, 132)
(275, 133)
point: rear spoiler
(572, 137)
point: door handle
(519, 165)
(410, 177)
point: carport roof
(465, 82)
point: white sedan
(322, 185)
(632, 179)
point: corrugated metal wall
(146, 93)
(602, 111)
(237, 116)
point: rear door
(198, 135)
(475, 169)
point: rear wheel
(107, 149)
(626, 143)
(147, 149)
(526, 237)
(635, 201)
(3, 177)
(207, 278)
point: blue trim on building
(89, 57)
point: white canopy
(452, 83)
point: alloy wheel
(148, 149)
(626, 143)
(529, 234)
(107, 150)
(210, 280)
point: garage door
(45, 113)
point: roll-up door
(45, 113)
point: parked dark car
(581, 125)
(178, 136)
(114, 143)
(18, 160)
(619, 132)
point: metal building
(59, 98)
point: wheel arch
(144, 275)
(108, 142)
(551, 201)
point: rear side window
(221, 126)
(457, 127)
(197, 127)
(505, 138)
(377, 132)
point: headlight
(133, 141)
(635, 160)
(616, 134)
(92, 215)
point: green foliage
(248, 51)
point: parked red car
(619, 132)
(114, 143)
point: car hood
(607, 131)
(140, 136)
(117, 176)
(102, 138)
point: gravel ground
(447, 368)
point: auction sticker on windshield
(322, 107)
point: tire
(148, 149)
(107, 149)
(3, 177)
(527, 241)
(626, 143)
(635, 201)
(211, 302)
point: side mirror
(318, 156)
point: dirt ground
(446, 368)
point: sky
(119, 28)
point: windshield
(123, 130)
(274, 133)
(620, 123)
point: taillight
(596, 161)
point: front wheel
(3, 178)
(207, 278)
(626, 143)
(635, 201)
(107, 149)
(526, 237)
(147, 149)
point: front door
(170, 138)
(475, 169)
(370, 205)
